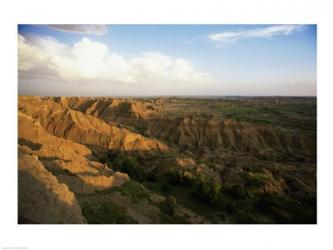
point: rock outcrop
(41, 197)
(80, 158)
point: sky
(158, 60)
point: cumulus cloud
(81, 29)
(268, 32)
(90, 61)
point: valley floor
(166, 160)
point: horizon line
(151, 96)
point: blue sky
(167, 60)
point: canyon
(156, 160)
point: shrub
(125, 163)
(168, 206)
(134, 190)
(165, 187)
(236, 191)
(106, 213)
(285, 210)
(207, 190)
(174, 177)
(229, 208)
(203, 187)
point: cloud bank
(268, 32)
(87, 61)
(97, 29)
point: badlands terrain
(166, 160)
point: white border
(164, 237)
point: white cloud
(268, 32)
(90, 61)
(96, 29)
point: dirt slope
(141, 164)
(42, 198)
(57, 169)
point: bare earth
(166, 160)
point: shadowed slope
(42, 199)
(204, 167)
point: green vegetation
(166, 219)
(257, 179)
(254, 196)
(202, 187)
(229, 160)
(284, 210)
(235, 191)
(293, 113)
(134, 190)
(106, 213)
(168, 206)
(283, 115)
(207, 190)
(120, 161)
